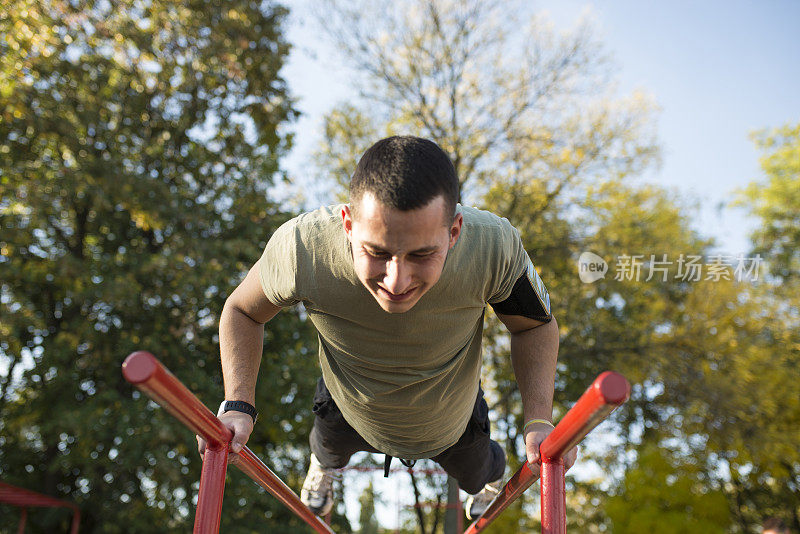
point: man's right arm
(241, 338)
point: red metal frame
(24, 498)
(148, 374)
(608, 391)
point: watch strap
(239, 406)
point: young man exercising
(396, 284)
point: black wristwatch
(239, 406)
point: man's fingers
(570, 458)
(201, 445)
(535, 468)
(237, 444)
(241, 426)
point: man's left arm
(534, 352)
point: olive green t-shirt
(406, 382)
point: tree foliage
(776, 201)
(686, 506)
(137, 145)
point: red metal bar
(516, 486)
(148, 374)
(23, 498)
(250, 464)
(76, 521)
(143, 370)
(212, 488)
(23, 519)
(608, 391)
(553, 497)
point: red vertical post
(212, 487)
(76, 521)
(23, 518)
(553, 497)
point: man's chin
(391, 306)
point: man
(396, 284)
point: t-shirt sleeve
(277, 267)
(519, 289)
(509, 263)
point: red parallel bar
(554, 512)
(148, 374)
(608, 391)
(143, 370)
(264, 477)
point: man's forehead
(369, 206)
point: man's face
(399, 255)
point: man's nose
(398, 276)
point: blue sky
(718, 71)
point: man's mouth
(396, 297)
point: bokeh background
(148, 148)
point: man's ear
(455, 229)
(347, 221)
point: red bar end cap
(139, 366)
(614, 387)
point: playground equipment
(142, 369)
(25, 499)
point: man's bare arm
(241, 340)
(241, 337)
(534, 353)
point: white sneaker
(478, 503)
(317, 492)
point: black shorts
(473, 461)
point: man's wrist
(536, 421)
(238, 406)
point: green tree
(776, 201)
(664, 495)
(366, 517)
(138, 142)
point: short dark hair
(405, 173)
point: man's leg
(333, 441)
(475, 460)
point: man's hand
(240, 424)
(534, 436)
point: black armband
(528, 298)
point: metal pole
(23, 519)
(76, 521)
(553, 497)
(608, 391)
(212, 488)
(451, 514)
(148, 374)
